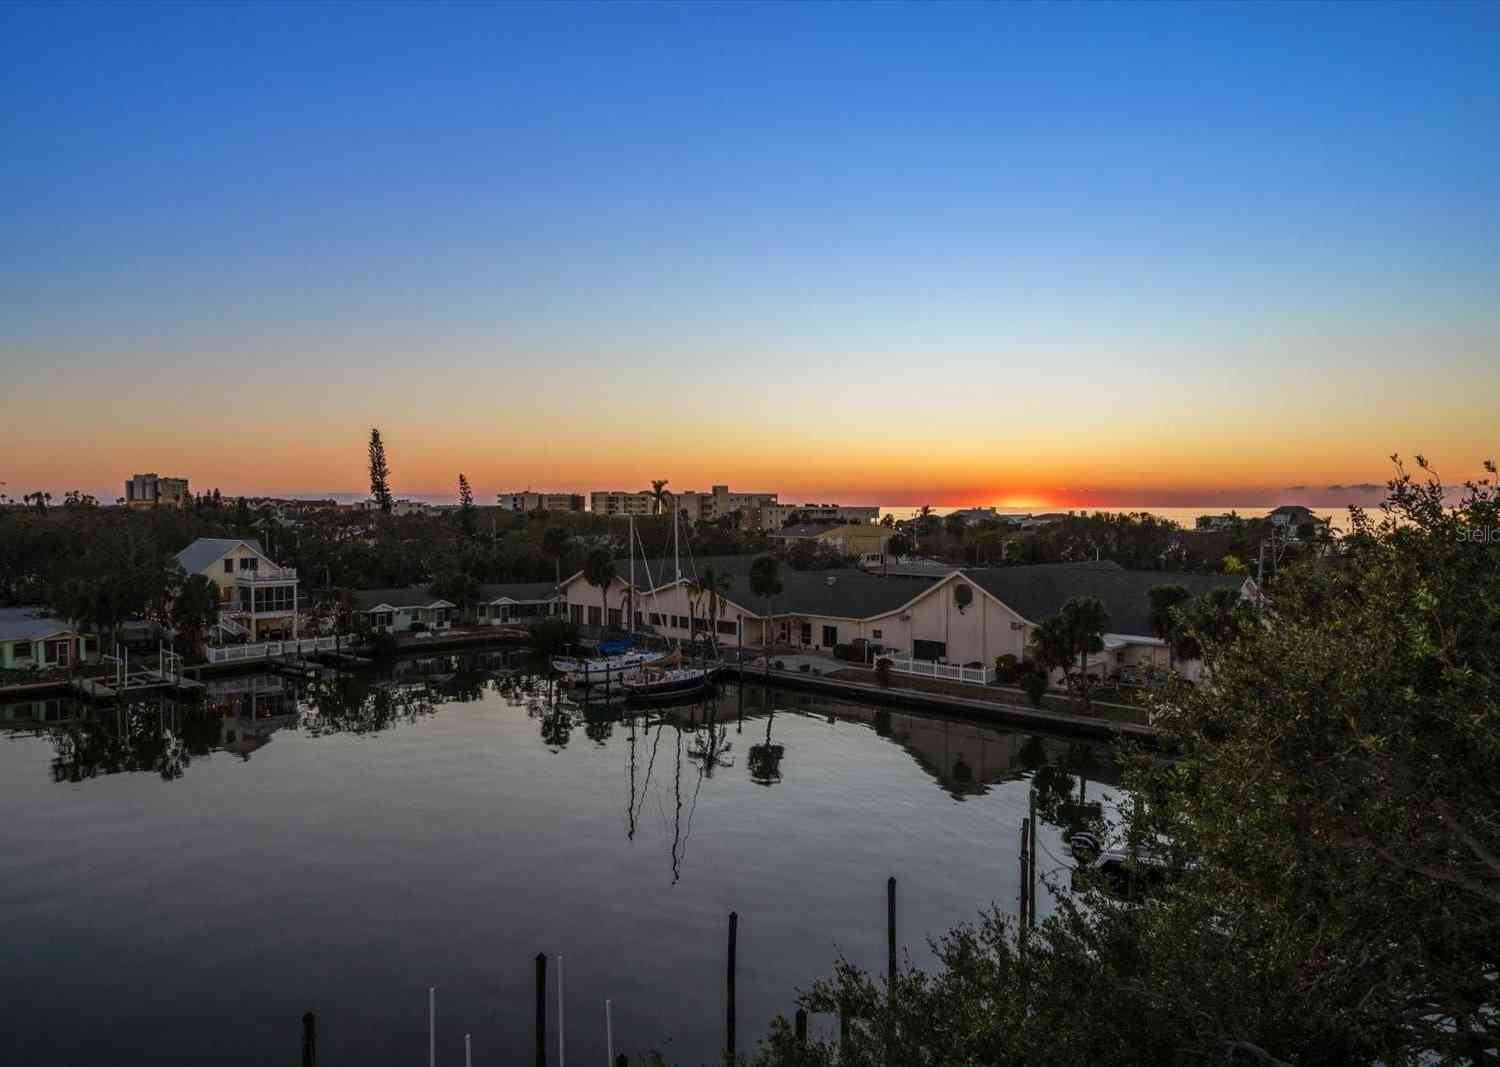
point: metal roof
(206, 551)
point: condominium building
(623, 502)
(527, 500)
(719, 502)
(154, 491)
(775, 516)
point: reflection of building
(154, 491)
(257, 597)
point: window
(247, 563)
(229, 566)
(727, 626)
(830, 636)
(596, 616)
(807, 633)
(876, 634)
(575, 612)
(929, 650)
(616, 617)
(656, 618)
(21, 650)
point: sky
(878, 253)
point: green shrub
(1007, 669)
(843, 652)
(1035, 684)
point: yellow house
(257, 596)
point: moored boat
(604, 669)
(661, 683)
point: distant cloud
(1358, 487)
(1295, 489)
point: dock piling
(890, 934)
(734, 930)
(309, 1040)
(801, 1028)
(609, 1034)
(432, 1026)
(541, 1009)
(562, 1052)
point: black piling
(801, 1028)
(1025, 872)
(890, 934)
(309, 1040)
(541, 1009)
(734, 933)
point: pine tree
(466, 512)
(380, 473)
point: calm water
(181, 882)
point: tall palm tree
(599, 571)
(659, 495)
(555, 542)
(765, 581)
(715, 585)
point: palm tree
(765, 581)
(1086, 621)
(714, 585)
(659, 495)
(555, 543)
(599, 571)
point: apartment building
(155, 491)
(528, 500)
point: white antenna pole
(562, 1055)
(468, 1052)
(676, 551)
(609, 1033)
(432, 1026)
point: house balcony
(266, 575)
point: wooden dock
(137, 682)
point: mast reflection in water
(183, 879)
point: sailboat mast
(676, 551)
(630, 623)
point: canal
(180, 881)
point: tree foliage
(1326, 839)
(380, 473)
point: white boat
(605, 669)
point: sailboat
(617, 658)
(668, 680)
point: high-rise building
(527, 500)
(154, 491)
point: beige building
(155, 491)
(719, 502)
(528, 501)
(866, 540)
(962, 617)
(775, 516)
(623, 502)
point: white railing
(925, 668)
(267, 574)
(269, 649)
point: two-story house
(257, 596)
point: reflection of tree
(598, 724)
(765, 759)
(557, 728)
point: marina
(268, 795)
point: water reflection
(162, 734)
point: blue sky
(802, 221)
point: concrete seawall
(986, 710)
